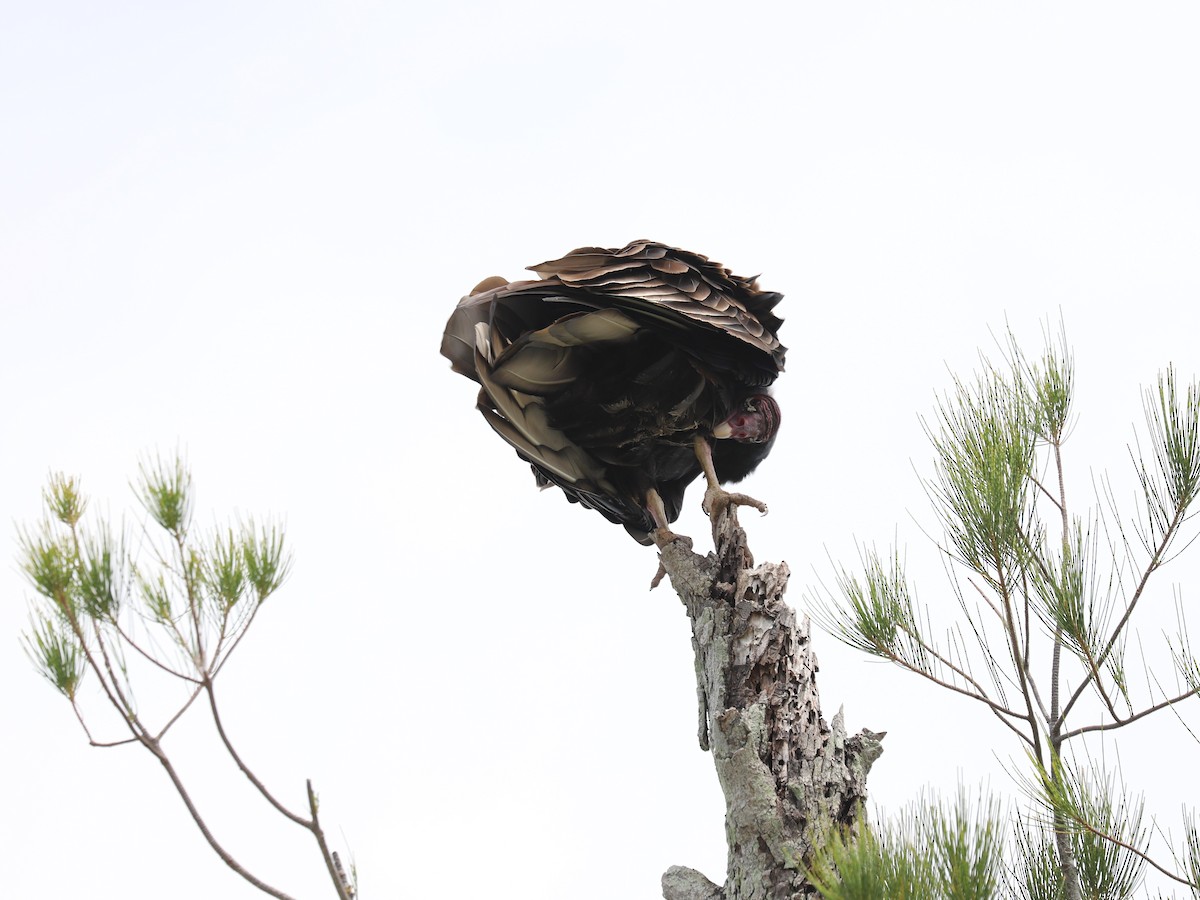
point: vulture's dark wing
(678, 288)
(601, 373)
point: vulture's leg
(716, 498)
(662, 533)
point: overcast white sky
(238, 228)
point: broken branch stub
(789, 778)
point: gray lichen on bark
(789, 778)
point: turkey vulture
(622, 374)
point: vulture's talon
(658, 576)
(717, 500)
(662, 537)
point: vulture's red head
(754, 422)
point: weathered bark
(789, 778)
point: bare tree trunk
(789, 778)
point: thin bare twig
(978, 694)
(153, 746)
(262, 788)
(175, 718)
(345, 891)
(149, 657)
(1109, 726)
(1049, 495)
(1135, 851)
(1154, 563)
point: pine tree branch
(1156, 560)
(1126, 720)
(227, 858)
(245, 769)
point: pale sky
(239, 228)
